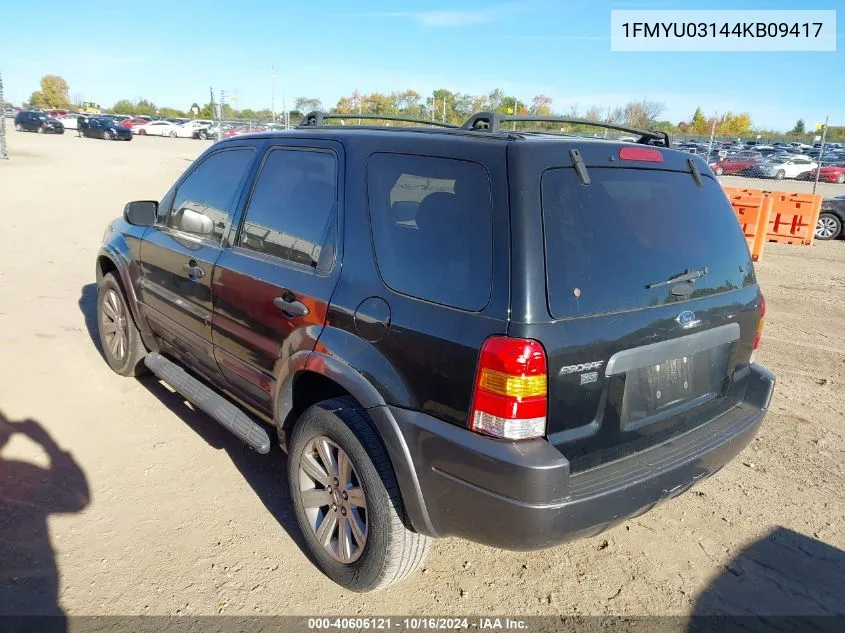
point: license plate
(663, 386)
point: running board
(212, 403)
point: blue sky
(172, 53)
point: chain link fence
(4, 154)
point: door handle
(290, 306)
(193, 270)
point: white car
(194, 129)
(781, 167)
(157, 128)
(69, 121)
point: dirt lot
(180, 518)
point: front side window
(292, 212)
(431, 222)
(204, 201)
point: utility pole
(821, 153)
(3, 153)
(712, 136)
(273, 93)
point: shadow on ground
(29, 494)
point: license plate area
(656, 391)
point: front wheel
(18, 127)
(840, 177)
(347, 500)
(780, 175)
(40, 129)
(119, 337)
(173, 134)
(106, 136)
(202, 135)
(719, 170)
(828, 227)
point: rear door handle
(290, 306)
(193, 270)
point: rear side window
(291, 214)
(630, 228)
(431, 221)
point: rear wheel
(840, 177)
(347, 501)
(18, 127)
(780, 175)
(828, 227)
(173, 134)
(119, 337)
(203, 135)
(40, 129)
(106, 135)
(142, 132)
(720, 170)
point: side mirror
(192, 222)
(141, 212)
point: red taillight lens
(760, 322)
(509, 400)
(641, 153)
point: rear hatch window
(630, 228)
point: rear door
(634, 360)
(275, 282)
(179, 253)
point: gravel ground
(132, 503)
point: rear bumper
(521, 495)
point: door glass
(204, 201)
(291, 211)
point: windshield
(630, 228)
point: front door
(272, 288)
(178, 254)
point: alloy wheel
(115, 326)
(333, 499)
(826, 227)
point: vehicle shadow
(266, 474)
(783, 581)
(29, 494)
(88, 308)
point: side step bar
(212, 403)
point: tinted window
(209, 192)
(432, 228)
(291, 214)
(634, 227)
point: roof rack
(492, 122)
(318, 119)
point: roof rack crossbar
(318, 119)
(492, 122)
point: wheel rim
(825, 227)
(840, 178)
(114, 325)
(333, 498)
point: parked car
(831, 218)
(132, 122)
(194, 129)
(735, 164)
(57, 112)
(156, 128)
(381, 299)
(106, 129)
(781, 167)
(834, 172)
(29, 121)
(69, 121)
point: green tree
(699, 123)
(308, 104)
(799, 129)
(145, 107)
(169, 113)
(124, 106)
(541, 105)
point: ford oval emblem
(686, 318)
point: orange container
(793, 218)
(752, 208)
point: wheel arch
(112, 260)
(317, 376)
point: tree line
(455, 107)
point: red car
(736, 164)
(830, 173)
(133, 121)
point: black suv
(30, 121)
(514, 337)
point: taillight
(641, 153)
(509, 400)
(760, 322)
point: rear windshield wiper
(690, 274)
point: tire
(719, 170)
(106, 135)
(840, 177)
(142, 132)
(18, 127)
(390, 551)
(780, 175)
(40, 129)
(203, 135)
(127, 357)
(173, 134)
(828, 227)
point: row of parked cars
(776, 160)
